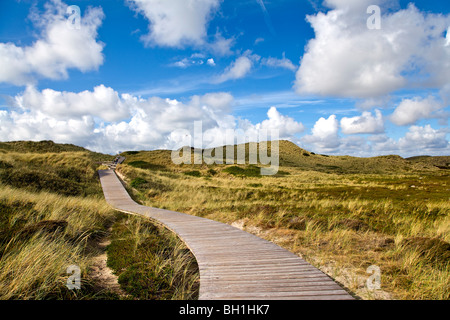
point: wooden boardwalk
(233, 264)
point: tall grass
(33, 266)
(151, 262)
(337, 222)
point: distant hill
(39, 147)
(293, 156)
(64, 169)
(47, 146)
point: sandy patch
(103, 276)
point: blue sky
(137, 72)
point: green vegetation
(41, 234)
(53, 215)
(342, 214)
(146, 165)
(250, 171)
(151, 262)
(66, 173)
(39, 147)
(138, 183)
(194, 173)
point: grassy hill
(45, 166)
(53, 215)
(39, 147)
(292, 156)
(51, 212)
(342, 214)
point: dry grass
(34, 267)
(151, 262)
(53, 215)
(340, 222)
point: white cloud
(176, 23)
(409, 111)
(211, 62)
(424, 139)
(286, 126)
(447, 37)
(35, 125)
(417, 141)
(218, 101)
(102, 102)
(279, 63)
(196, 59)
(58, 49)
(221, 46)
(324, 135)
(239, 68)
(259, 40)
(366, 123)
(106, 121)
(347, 59)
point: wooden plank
(233, 264)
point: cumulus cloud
(285, 125)
(58, 49)
(102, 102)
(211, 62)
(366, 123)
(218, 101)
(106, 121)
(324, 135)
(409, 111)
(35, 125)
(425, 139)
(176, 23)
(347, 59)
(417, 141)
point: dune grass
(66, 173)
(151, 262)
(53, 215)
(340, 222)
(341, 214)
(33, 264)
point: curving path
(233, 264)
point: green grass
(250, 171)
(53, 215)
(151, 262)
(193, 173)
(41, 234)
(342, 214)
(138, 183)
(146, 165)
(65, 173)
